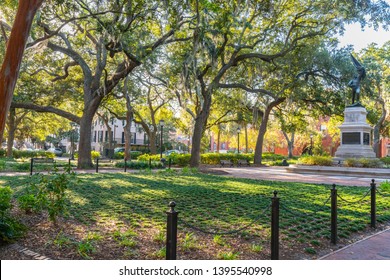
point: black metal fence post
(373, 204)
(125, 164)
(171, 241)
(31, 166)
(150, 163)
(69, 166)
(333, 222)
(97, 165)
(169, 163)
(275, 227)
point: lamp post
(238, 140)
(161, 137)
(311, 144)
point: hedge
(315, 160)
(28, 154)
(363, 162)
(139, 164)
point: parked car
(119, 150)
(169, 152)
(57, 151)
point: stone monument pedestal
(355, 140)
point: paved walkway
(375, 247)
(280, 174)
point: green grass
(211, 203)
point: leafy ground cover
(121, 216)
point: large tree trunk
(13, 57)
(290, 143)
(85, 160)
(127, 130)
(263, 129)
(200, 124)
(152, 141)
(11, 131)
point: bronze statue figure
(354, 84)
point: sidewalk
(374, 247)
(281, 174)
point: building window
(106, 136)
(100, 135)
(123, 137)
(94, 136)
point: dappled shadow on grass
(214, 203)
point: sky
(353, 35)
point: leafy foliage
(363, 162)
(10, 228)
(315, 160)
(47, 192)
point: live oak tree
(16, 44)
(376, 88)
(106, 40)
(226, 35)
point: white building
(100, 139)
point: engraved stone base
(355, 140)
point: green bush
(146, 157)
(2, 164)
(134, 155)
(5, 200)
(386, 160)
(272, 157)
(95, 155)
(139, 164)
(180, 159)
(30, 154)
(47, 192)
(363, 162)
(385, 186)
(10, 229)
(215, 158)
(2, 153)
(315, 160)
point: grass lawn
(120, 216)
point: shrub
(95, 155)
(363, 162)
(315, 160)
(180, 159)
(386, 160)
(10, 228)
(385, 186)
(2, 153)
(351, 162)
(5, 200)
(121, 155)
(2, 165)
(139, 164)
(47, 192)
(215, 158)
(146, 157)
(30, 154)
(272, 157)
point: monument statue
(354, 84)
